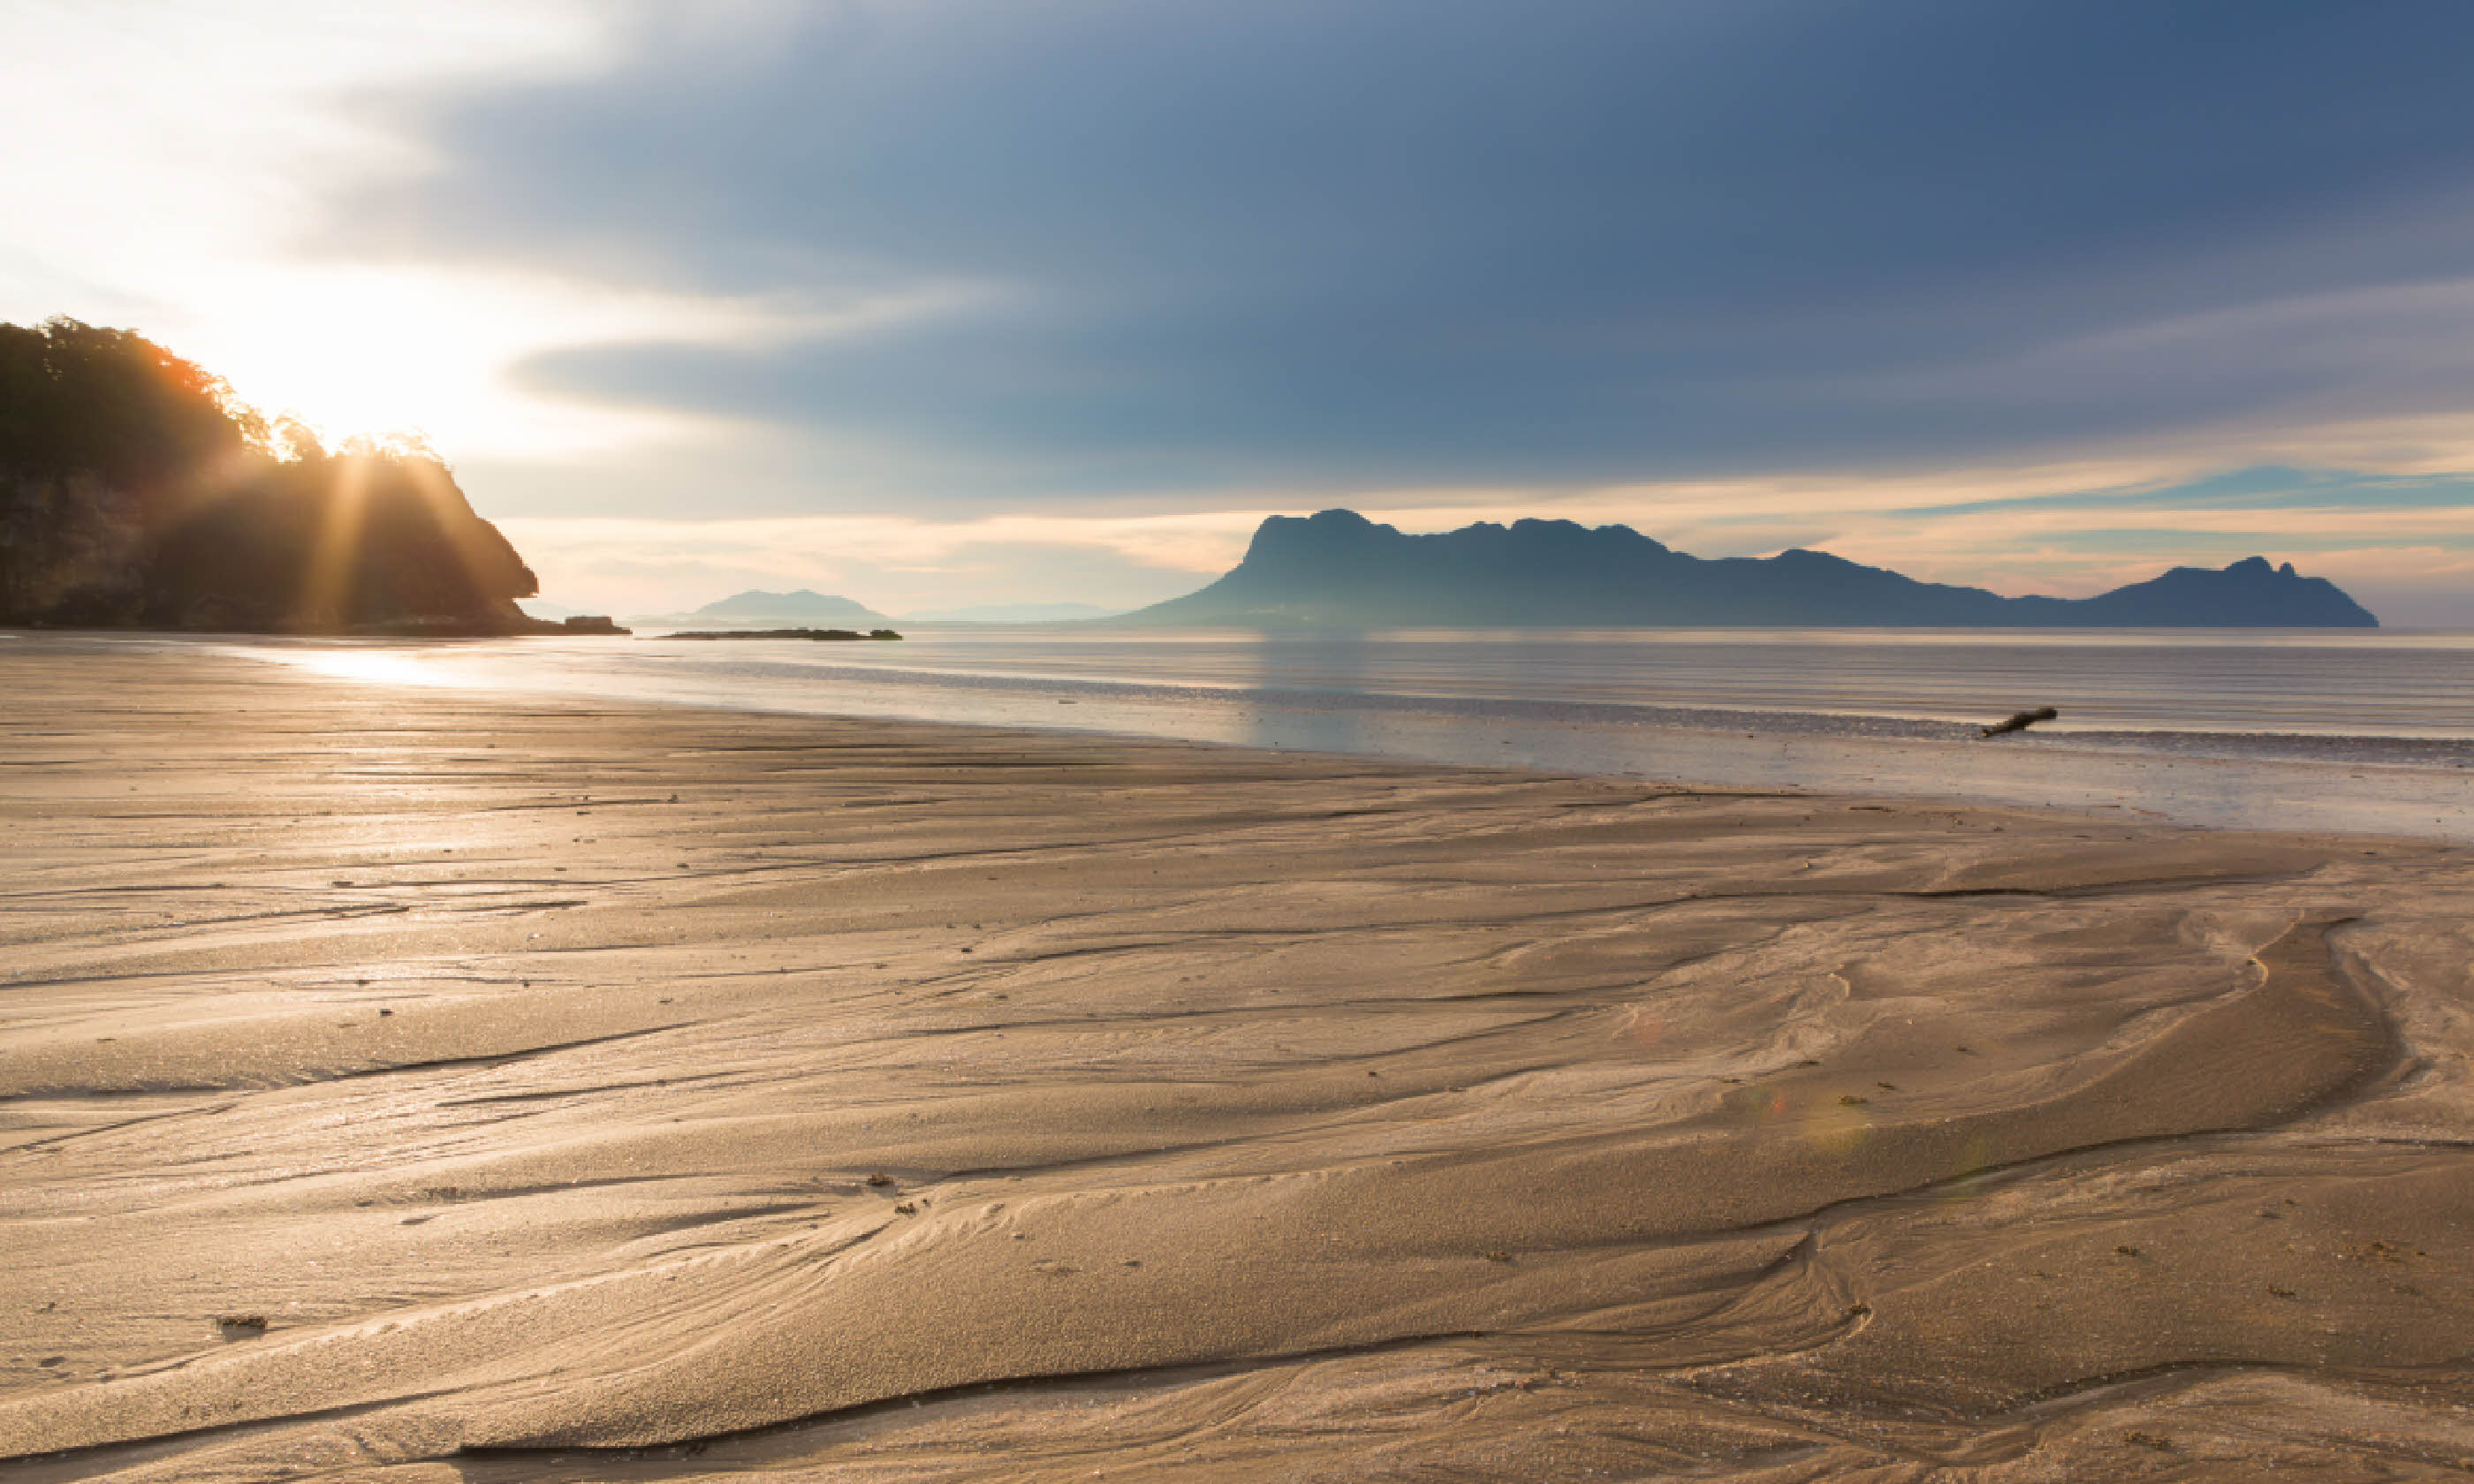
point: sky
(940, 302)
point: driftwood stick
(2021, 720)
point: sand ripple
(435, 1086)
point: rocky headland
(137, 491)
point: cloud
(170, 158)
(1055, 301)
(1294, 245)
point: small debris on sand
(2021, 720)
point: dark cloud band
(1311, 244)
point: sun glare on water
(367, 666)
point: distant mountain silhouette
(802, 604)
(755, 609)
(1340, 570)
(135, 491)
(1016, 613)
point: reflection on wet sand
(1345, 692)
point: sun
(376, 350)
(363, 351)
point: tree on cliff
(137, 491)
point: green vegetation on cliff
(137, 491)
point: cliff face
(73, 552)
(135, 494)
(368, 544)
(1339, 569)
(341, 545)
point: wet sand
(429, 1085)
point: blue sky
(934, 301)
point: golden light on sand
(1838, 1126)
(370, 666)
(680, 1073)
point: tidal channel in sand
(431, 1083)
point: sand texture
(425, 1085)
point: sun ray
(490, 566)
(325, 595)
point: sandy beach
(426, 1085)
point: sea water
(2359, 730)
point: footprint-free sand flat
(425, 1085)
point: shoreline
(2378, 748)
(2406, 789)
(526, 1064)
(2394, 747)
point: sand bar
(426, 1085)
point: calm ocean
(2326, 729)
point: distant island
(1016, 613)
(755, 609)
(137, 492)
(1339, 569)
(784, 634)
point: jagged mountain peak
(1337, 569)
